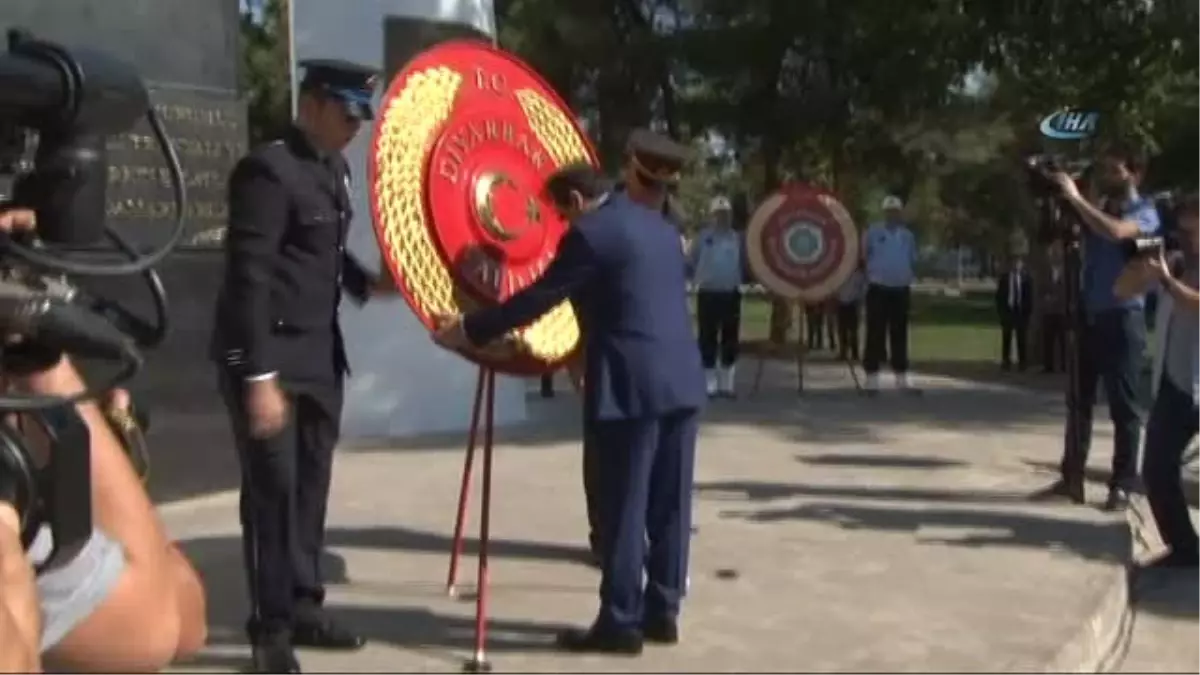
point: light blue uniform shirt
(1103, 259)
(890, 252)
(717, 259)
(1181, 363)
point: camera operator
(1112, 340)
(1173, 417)
(20, 617)
(129, 601)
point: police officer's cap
(656, 158)
(353, 83)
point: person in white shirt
(1175, 383)
(890, 253)
(717, 264)
(849, 300)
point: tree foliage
(934, 100)
(266, 72)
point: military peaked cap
(353, 83)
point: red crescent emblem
(465, 139)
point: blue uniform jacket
(624, 271)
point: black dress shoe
(324, 633)
(600, 641)
(274, 655)
(1118, 499)
(1061, 489)
(661, 631)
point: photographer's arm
(156, 611)
(20, 617)
(1136, 278)
(1101, 223)
(1184, 296)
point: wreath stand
(483, 409)
(801, 356)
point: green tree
(605, 57)
(815, 89)
(266, 72)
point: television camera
(57, 109)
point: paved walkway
(1164, 625)
(834, 533)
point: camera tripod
(801, 358)
(1059, 223)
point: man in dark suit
(1014, 304)
(280, 355)
(624, 271)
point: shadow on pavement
(756, 491)
(219, 561)
(227, 549)
(1167, 593)
(879, 461)
(980, 528)
(407, 539)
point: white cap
(892, 202)
(719, 204)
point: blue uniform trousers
(645, 475)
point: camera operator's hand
(20, 617)
(1159, 265)
(1067, 184)
(17, 220)
(266, 406)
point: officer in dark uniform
(280, 354)
(624, 271)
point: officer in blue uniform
(622, 268)
(280, 354)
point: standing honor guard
(718, 269)
(280, 354)
(621, 266)
(890, 253)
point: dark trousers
(815, 322)
(1111, 351)
(1054, 343)
(887, 328)
(1171, 427)
(592, 492)
(718, 323)
(285, 490)
(646, 480)
(1013, 328)
(847, 320)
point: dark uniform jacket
(286, 265)
(624, 271)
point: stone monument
(188, 54)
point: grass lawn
(943, 328)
